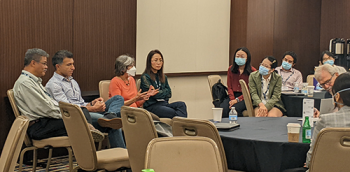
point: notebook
(226, 126)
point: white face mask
(132, 71)
(333, 96)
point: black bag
(219, 93)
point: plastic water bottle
(306, 131)
(232, 116)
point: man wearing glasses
(325, 76)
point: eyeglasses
(44, 63)
(157, 61)
(326, 83)
(265, 65)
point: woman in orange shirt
(124, 83)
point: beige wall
(195, 92)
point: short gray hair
(121, 64)
(326, 67)
(34, 54)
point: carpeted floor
(57, 164)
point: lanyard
(262, 87)
(283, 82)
(36, 82)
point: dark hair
(148, 69)
(60, 56)
(248, 67)
(342, 82)
(291, 53)
(34, 54)
(273, 61)
(328, 53)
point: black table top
(267, 129)
(261, 145)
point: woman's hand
(141, 96)
(232, 102)
(151, 91)
(262, 112)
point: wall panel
(334, 21)
(102, 32)
(23, 25)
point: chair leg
(35, 159)
(70, 155)
(49, 160)
(20, 168)
(99, 145)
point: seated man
(34, 102)
(62, 87)
(288, 73)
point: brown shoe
(114, 123)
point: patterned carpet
(57, 164)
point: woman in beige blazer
(265, 87)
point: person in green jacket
(265, 87)
(154, 78)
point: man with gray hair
(34, 102)
(325, 76)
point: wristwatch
(237, 99)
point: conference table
(261, 145)
(293, 102)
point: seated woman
(329, 58)
(124, 84)
(265, 87)
(240, 69)
(154, 78)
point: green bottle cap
(147, 170)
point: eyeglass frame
(327, 82)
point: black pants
(300, 169)
(165, 110)
(240, 106)
(49, 127)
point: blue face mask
(286, 65)
(240, 61)
(330, 62)
(263, 70)
(333, 98)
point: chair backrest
(138, 84)
(13, 144)
(11, 97)
(173, 154)
(331, 150)
(213, 79)
(138, 130)
(79, 136)
(310, 80)
(198, 127)
(247, 98)
(103, 88)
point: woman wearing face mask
(240, 69)
(329, 58)
(341, 118)
(124, 83)
(265, 89)
(153, 78)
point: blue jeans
(115, 136)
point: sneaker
(114, 123)
(97, 135)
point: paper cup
(217, 114)
(310, 91)
(293, 132)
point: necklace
(127, 82)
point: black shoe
(110, 115)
